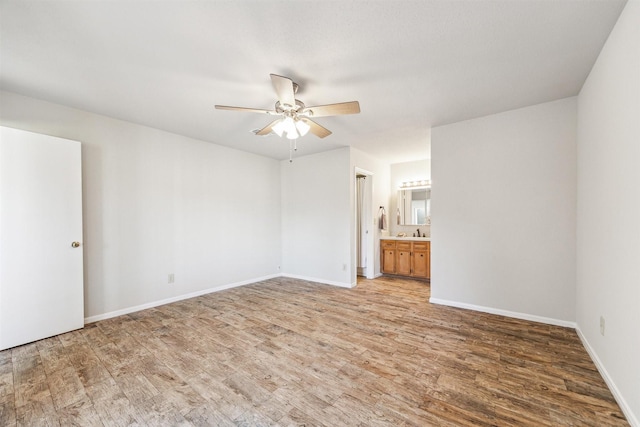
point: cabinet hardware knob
(75, 244)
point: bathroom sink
(428, 239)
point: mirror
(414, 206)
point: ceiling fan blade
(316, 129)
(284, 89)
(352, 107)
(268, 128)
(248, 110)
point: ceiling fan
(295, 118)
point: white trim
(626, 409)
(133, 309)
(323, 281)
(514, 314)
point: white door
(41, 279)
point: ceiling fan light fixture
(278, 128)
(302, 127)
(289, 124)
(289, 127)
(292, 135)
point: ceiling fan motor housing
(281, 109)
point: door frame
(370, 246)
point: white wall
(503, 212)
(608, 231)
(380, 178)
(157, 203)
(316, 218)
(403, 172)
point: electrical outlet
(601, 325)
(171, 278)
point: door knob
(75, 244)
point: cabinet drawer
(421, 246)
(403, 246)
(388, 244)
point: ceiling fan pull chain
(290, 151)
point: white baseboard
(133, 309)
(323, 281)
(631, 418)
(514, 314)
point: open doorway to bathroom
(364, 223)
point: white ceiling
(411, 64)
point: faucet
(418, 232)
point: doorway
(364, 223)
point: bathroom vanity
(406, 256)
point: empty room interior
(289, 213)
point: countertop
(418, 239)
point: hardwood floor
(288, 352)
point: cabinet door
(421, 264)
(403, 266)
(389, 261)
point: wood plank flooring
(288, 352)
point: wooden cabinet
(388, 254)
(403, 258)
(406, 258)
(421, 258)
